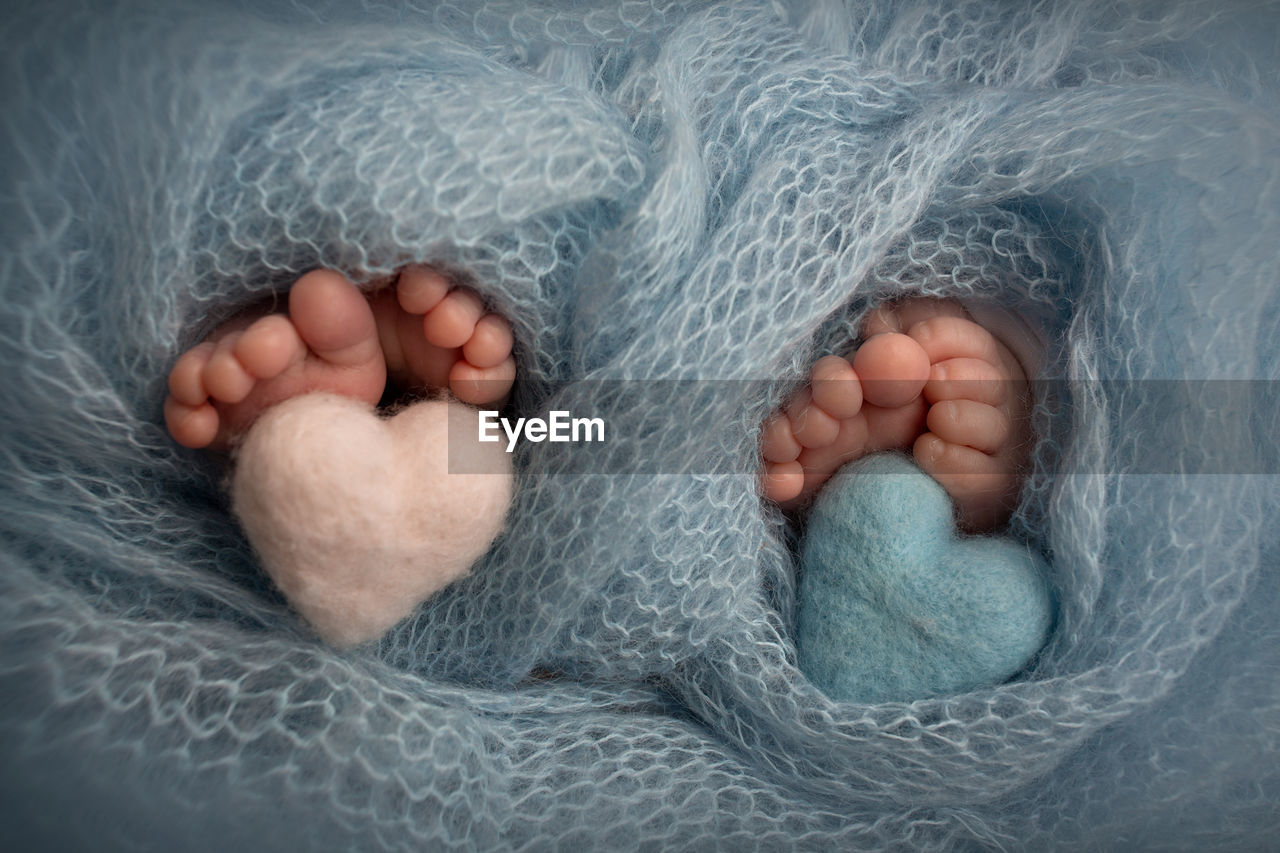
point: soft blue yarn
(894, 606)
(656, 191)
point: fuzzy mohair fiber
(894, 605)
(357, 518)
(650, 192)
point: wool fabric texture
(893, 606)
(648, 191)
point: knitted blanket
(656, 194)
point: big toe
(893, 369)
(334, 319)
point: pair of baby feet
(927, 378)
(416, 332)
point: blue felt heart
(894, 606)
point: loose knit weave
(648, 191)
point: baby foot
(327, 342)
(422, 333)
(928, 378)
(356, 517)
(437, 335)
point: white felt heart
(357, 517)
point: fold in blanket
(661, 191)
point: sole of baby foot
(437, 334)
(328, 341)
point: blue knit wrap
(649, 191)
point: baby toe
(836, 389)
(970, 423)
(191, 426)
(186, 379)
(945, 337)
(983, 486)
(892, 369)
(821, 462)
(778, 443)
(967, 379)
(419, 289)
(224, 377)
(334, 319)
(269, 346)
(490, 342)
(480, 386)
(810, 425)
(452, 322)
(783, 481)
